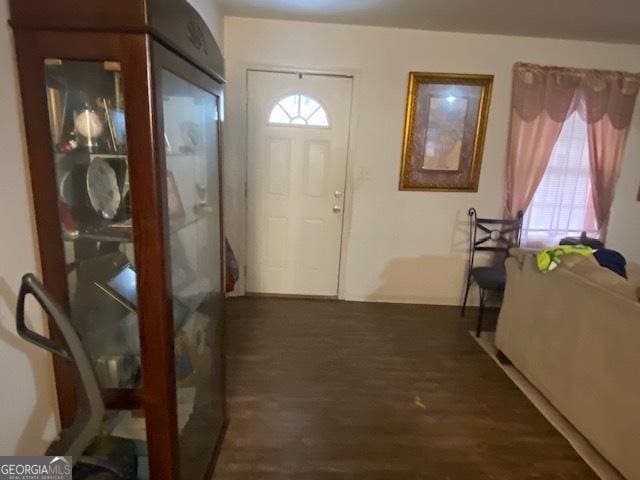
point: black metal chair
(497, 236)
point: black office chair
(95, 455)
(497, 236)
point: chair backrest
(493, 234)
(87, 423)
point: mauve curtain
(608, 100)
(540, 102)
(542, 99)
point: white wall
(27, 393)
(407, 246)
(210, 11)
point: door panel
(279, 158)
(316, 157)
(298, 129)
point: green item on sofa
(549, 258)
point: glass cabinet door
(89, 140)
(193, 203)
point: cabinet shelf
(125, 234)
(100, 236)
(84, 155)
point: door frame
(347, 212)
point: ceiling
(601, 20)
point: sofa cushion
(589, 269)
(571, 260)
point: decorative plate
(65, 188)
(102, 187)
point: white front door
(298, 131)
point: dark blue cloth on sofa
(612, 260)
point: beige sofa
(576, 337)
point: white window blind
(562, 204)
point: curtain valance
(560, 91)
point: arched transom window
(299, 109)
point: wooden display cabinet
(122, 105)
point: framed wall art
(444, 131)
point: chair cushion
(490, 278)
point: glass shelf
(124, 233)
(107, 235)
(87, 155)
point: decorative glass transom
(299, 110)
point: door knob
(337, 208)
(337, 194)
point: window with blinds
(562, 204)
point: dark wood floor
(337, 390)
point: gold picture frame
(444, 131)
